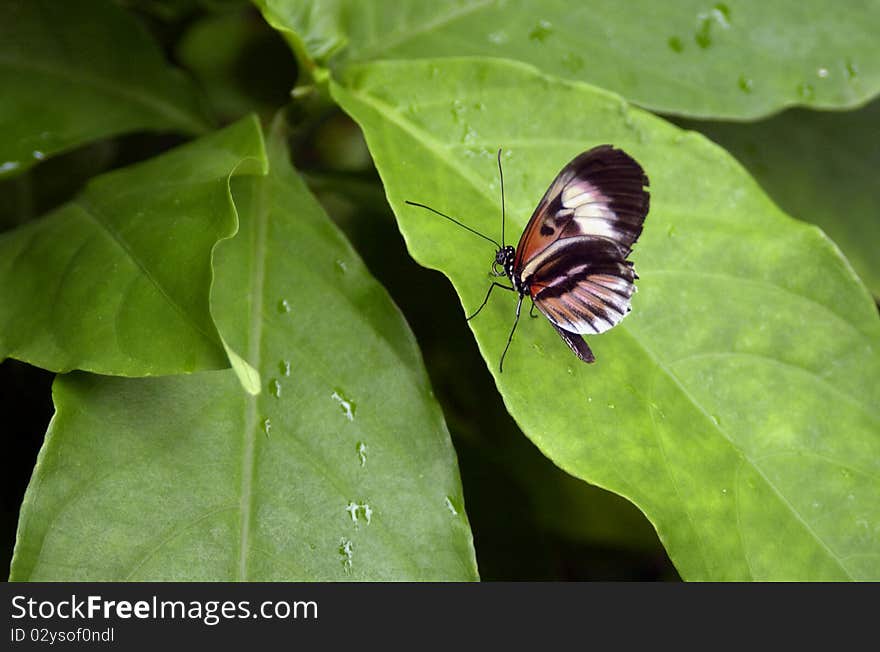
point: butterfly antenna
(452, 219)
(501, 175)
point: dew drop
(38, 155)
(498, 38)
(367, 512)
(721, 13)
(9, 166)
(341, 266)
(715, 420)
(346, 551)
(359, 510)
(267, 426)
(284, 367)
(724, 492)
(806, 91)
(611, 406)
(457, 110)
(541, 31)
(362, 453)
(347, 406)
(675, 44)
(275, 388)
(703, 35)
(573, 62)
(745, 84)
(450, 506)
(353, 509)
(851, 70)
(670, 231)
(822, 73)
(470, 137)
(283, 306)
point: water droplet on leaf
(541, 31)
(498, 38)
(346, 551)
(675, 44)
(275, 388)
(806, 91)
(347, 406)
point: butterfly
(571, 259)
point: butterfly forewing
(600, 193)
(572, 255)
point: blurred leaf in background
(46, 54)
(739, 59)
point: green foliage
(116, 281)
(66, 81)
(713, 461)
(294, 433)
(738, 59)
(328, 474)
(819, 167)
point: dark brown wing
(583, 285)
(600, 193)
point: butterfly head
(503, 263)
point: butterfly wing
(600, 193)
(572, 255)
(583, 285)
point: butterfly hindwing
(577, 344)
(599, 193)
(582, 285)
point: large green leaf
(117, 281)
(820, 167)
(341, 470)
(738, 405)
(79, 70)
(735, 59)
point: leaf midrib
(255, 339)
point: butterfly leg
(532, 310)
(488, 294)
(510, 337)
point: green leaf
(224, 50)
(342, 470)
(117, 281)
(81, 70)
(737, 406)
(736, 59)
(821, 168)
